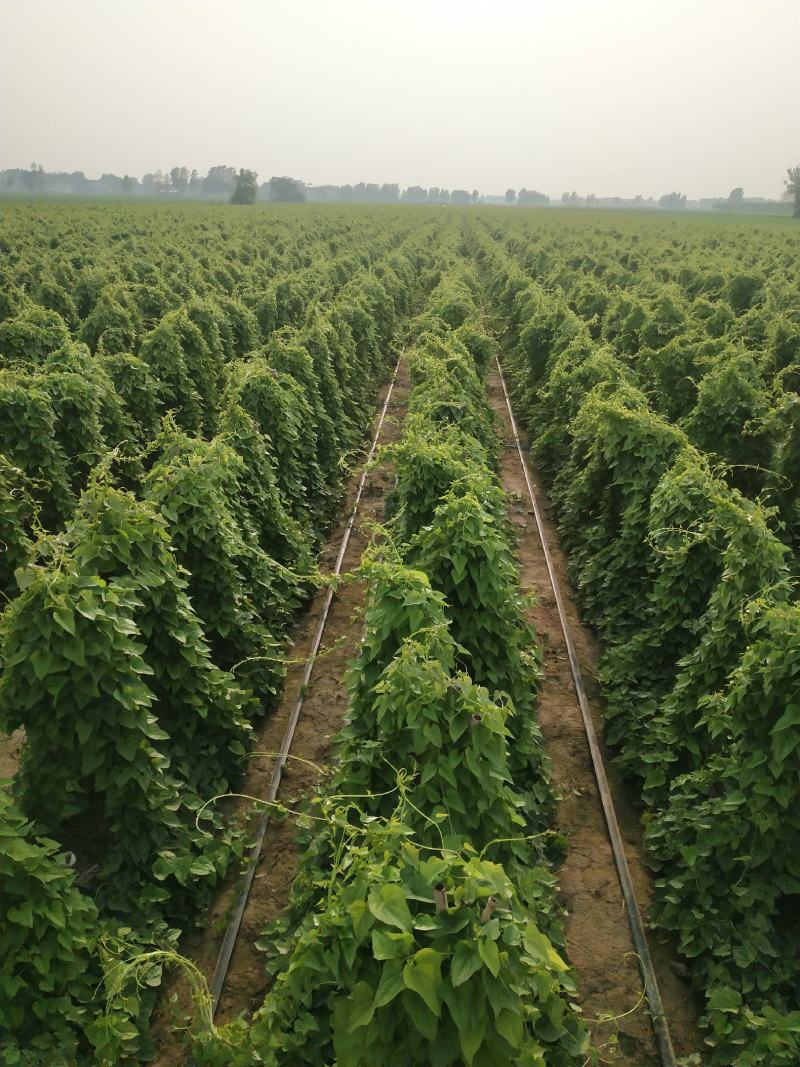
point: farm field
(187, 399)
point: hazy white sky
(636, 96)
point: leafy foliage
(28, 440)
(137, 389)
(445, 732)
(734, 911)
(17, 510)
(118, 538)
(76, 679)
(48, 930)
(51, 969)
(281, 414)
(258, 503)
(231, 579)
(378, 974)
(27, 339)
(433, 772)
(691, 590)
(144, 556)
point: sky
(623, 98)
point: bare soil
(324, 707)
(10, 749)
(599, 941)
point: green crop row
(422, 927)
(162, 493)
(707, 322)
(688, 586)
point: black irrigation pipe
(232, 931)
(659, 1019)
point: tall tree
(284, 188)
(246, 188)
(219, 181)
(672, 200)
(179, 177)
(532, 198)
(793, 187)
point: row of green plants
(706, 318)
(692, 594)
(422, 926)
(106, 275)
(66, 400)
(161, 531)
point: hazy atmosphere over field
(612, 98)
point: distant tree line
(672, 200)
(527, 197)
(223, 183)
(218, 183)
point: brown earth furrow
(599, 940)
(10, 751)
(324, 707)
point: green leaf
(390, 946)
(22, 914)
(790, 717)
(73, 651)
(65, 619)
(472, 1035)
(490, 955)
(391, 983)
(541, 949)
(784, 743)
(423, 975)
(725, 999)
(83, 729)
(42, 662)
(421, 1016)
(362, 920)
(361, 1003)
(349, 1040)
(467, 1006)
(510, 1026)
(465, 963)
(387, 902)
(24, 576)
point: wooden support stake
(440, 896)
(486, 914)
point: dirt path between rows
(599, 940)
(324, 706)
(10, 751)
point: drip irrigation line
(232, 931)
(657, 1015)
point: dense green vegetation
(422, 926)
(183, 391)
(656, 368)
